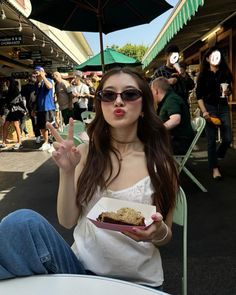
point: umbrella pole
(102, 52)
(101, 42)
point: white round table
(73, 285)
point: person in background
(16, 110)
(92, 90)
(23, 120)
(3, 106)
(80, 92)
(187, 80)
(213, 102)
(45, 108)
(177, 76)
(63, 97)
(23, 127)
(175, 114)
(125, 136)
(95, 79)
(27, 91)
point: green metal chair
(79, 127)
(87, 115)
(198, 125)
(180, 218)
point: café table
(64, 284)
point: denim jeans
(214, 151)
(29, 245)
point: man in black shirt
(180, 81)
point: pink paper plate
(109, 204)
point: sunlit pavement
(29, 179)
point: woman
(17, 110)
(213, 102)
(127, 158)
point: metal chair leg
(194, 179)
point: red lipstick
(119, 112)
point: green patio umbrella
(103, 16)
(111, 58)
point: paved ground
(29, 179)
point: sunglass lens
(128, 95)
(131, 94)
(106, 95)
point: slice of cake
(125, 216)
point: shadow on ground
(38, 191)
(211, 222)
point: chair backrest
(79, 127)
(87, 115)
(198, 125)
(180, 218)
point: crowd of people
(138, 126)
(44, 98)
(50, 98)
(212, 88)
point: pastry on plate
(125, 216)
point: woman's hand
(206, 115)
(156, 231)
(66, 155)
(227, 93)
(172, 81)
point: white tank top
(110, 253)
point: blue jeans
(214, 151)
(29, 245)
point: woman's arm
(68, 210)
(203, 108)
(200, 92)
(70, 160)
(163, 234)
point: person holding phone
(179, 80)
(213, 102)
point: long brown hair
(152, 134)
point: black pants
(78, 111)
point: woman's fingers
(71, 129)
(54, 132)
(58, 145)
(149, 232)
(157, 217)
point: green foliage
(135, 51)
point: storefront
(25, 43)
(194, 26)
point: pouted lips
(119, 112)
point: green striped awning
(188, 9)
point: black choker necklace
(124, 142)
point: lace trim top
(111, 253)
